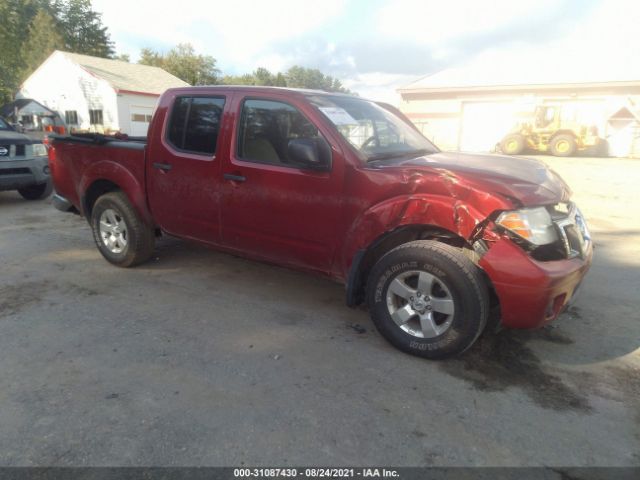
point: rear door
(183, 168)
(272, 208)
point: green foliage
(300, 77)
(82, 28)
(123, 57)
(42, 39)
(295, 77)
(31, 29)
(183, 62)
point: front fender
(447, 213)
(120, 176)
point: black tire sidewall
(113, 202)
(470, 312)
(36, 192)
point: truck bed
(79, 161)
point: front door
(273, 208)
(183, 166)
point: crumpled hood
(528, 181)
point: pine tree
(82, 29)
(42, 39)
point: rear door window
(194, 124)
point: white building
(98, 94)
(472, 107)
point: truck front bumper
(15, 174)
(532, 293)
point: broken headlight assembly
(534, 225)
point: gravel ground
(201, 358)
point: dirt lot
(200, 358)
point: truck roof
(301, 91)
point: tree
(74, 21)
(82, 28)
(42, 39)
(301, 77)
(260, 76)
(151, 58)
(123, 57)
(16, 17)
(183, 62)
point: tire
(563, 146)
(440, 324)
(36, 192)
(122, 238)
(513, 144)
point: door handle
(234, 178)
(162, 166)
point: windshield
(374, 132)
(4, 125)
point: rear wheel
(512, 144)
(36, 192)
(120, 235)
(428, 299)
(563, 145)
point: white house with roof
(99, 94)
(473, 106)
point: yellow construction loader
(552, 131)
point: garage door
(484, 124)
(140, 118)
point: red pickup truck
(343, 187)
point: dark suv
(23, 164)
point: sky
(377, 46)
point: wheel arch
(105, 177)
(365, 258)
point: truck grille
(572, 229)
(15, 171)
(8, 151)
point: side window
(95, 117)
(71, 117)
(195, 123)
(266, 127)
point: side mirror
(310, 153)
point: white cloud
(378, 86)
(436, 22)
(235, 31)
(384, 37)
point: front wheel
(120, 234)
(428, 299)
(36, 192)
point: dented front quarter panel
(426, 197)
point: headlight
(39, 150)
(532, 224)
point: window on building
(71, 117)
(140, 117)
(266, 127)
(95, 117)
(195, 123)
